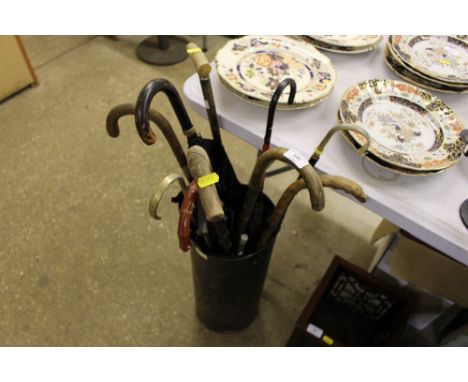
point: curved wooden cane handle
(199, 166)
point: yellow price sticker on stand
(208, 180)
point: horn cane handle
(199, 60)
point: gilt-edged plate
(342, 50)
(266, 104)
(255, 65)
(399, 68)
(348, 41)
(443, 58)
(379, 162)
(409, 127)
(462, 37)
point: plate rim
(358, 46)
(424, 70)
(390, 161)
(418, 80)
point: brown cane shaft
(185, 216)
(332, 181)
(256, 180)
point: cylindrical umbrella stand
(228, 290)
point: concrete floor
(81, 261)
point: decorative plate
(409, 127)
(379, 162)
(348, 41)
(255, 65)
(266, 104)
(416, 78)
(344, 50)
(441, 57)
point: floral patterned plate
(443, 58)
(266, 104)
(345, 50)
(379, 162)
(255, 65)
(409, 127)
(416, 78)
(348, 41)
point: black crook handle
(273, 103)
(142, 110)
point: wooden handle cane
(336, 182)
(200, 166)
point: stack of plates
(437, 63)
(412, 132)
(346, 43)
(252, 67)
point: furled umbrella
(229, 188)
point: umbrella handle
(336, 182)
(185, 216)
(145, 98)
(340, 127)
(147, 136)
(306, 171)
(202, 66)
(272, 108)
(162, 188)
(203, 69)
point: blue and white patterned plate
(255, 65)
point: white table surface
(427, 207)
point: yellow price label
(327, 340)
(444, 61)
(193, 50)
(208, 180)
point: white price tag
(314, 330)
(296, 158)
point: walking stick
(341, 127)
(146, 134)
(199, 166)
(185, 216)
(203, 69)
(272, 108)
(256, 181)
(162, 188)
(335, 182)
